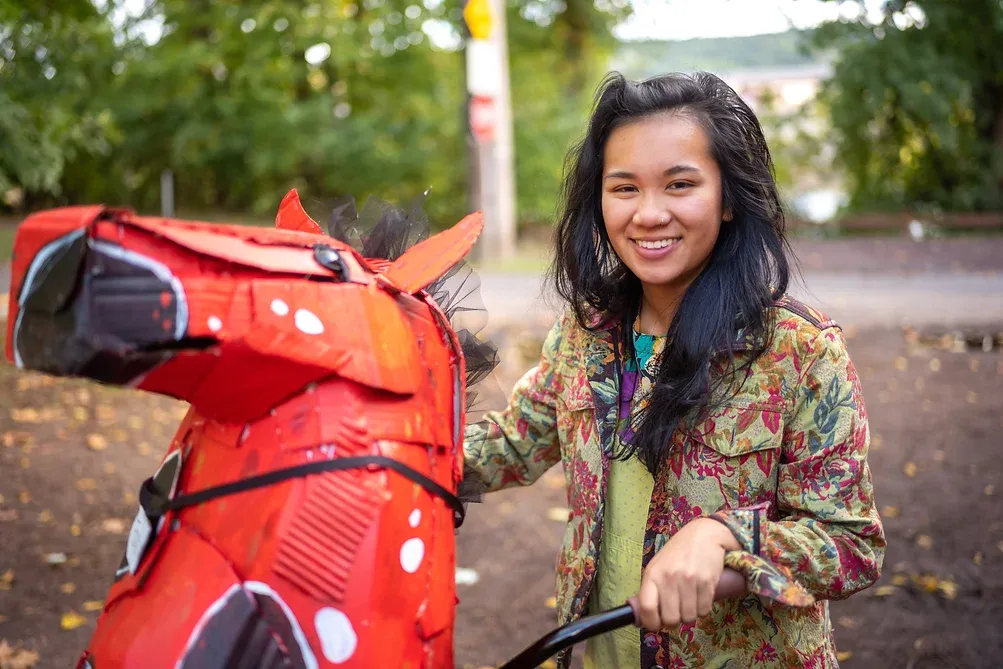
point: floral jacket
(780, 457)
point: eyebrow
(671, 172)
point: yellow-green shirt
(628, 495)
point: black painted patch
(97, 310)
(251, 631)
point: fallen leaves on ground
(847, 622)
(55, 559)
(885, 590)
(97, 442)
(932, 584)
(113, 525)
(68, 588)
(924, 541)
(7, 579)
(910, 469)
(86, 484)
(28, 415)
(22, 439)
(890, 512)
(466, 576)
(558, 514)
(12, 657)
(844, 655)
(94, 605)
(550, 602)
(71, 620)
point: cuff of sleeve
(765, 579)
(745, 525)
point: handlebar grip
(732, 584)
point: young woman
(704, 418)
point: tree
(53, 58)
(916, 103)
(243, 100)
(558, 53)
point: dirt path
(73, 454)
(936, 420)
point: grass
(7, 231)
(528, 259)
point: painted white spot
(337, 637)
(412, 553)
(215, 325)
(414, 518)
(279, 308)
(307, 322)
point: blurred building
(786, 88)
(781, 96)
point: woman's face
(661, 201)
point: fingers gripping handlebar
(732, 584)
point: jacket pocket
(739, 447)
(735, 430)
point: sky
(687, 19)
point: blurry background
(886, 123)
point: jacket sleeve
(519, 444)
(828, 536)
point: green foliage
(221, 93)
(917, 105)
(556, 61)
(49, 54)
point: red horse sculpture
(303, 516)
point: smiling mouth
(655, 244)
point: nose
(652, 211)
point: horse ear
(292, 215)
(425, 262)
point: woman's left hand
(678, 584)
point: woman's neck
(658, 307)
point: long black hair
(747, 271)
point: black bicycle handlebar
(732, 584)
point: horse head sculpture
(304, 513)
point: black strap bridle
(155, 504)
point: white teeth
(660, 244)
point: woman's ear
(726, 216)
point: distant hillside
(647, 58)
